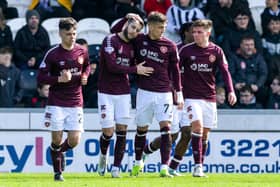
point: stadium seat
(256, 14)
(94, 30)
(51, 25)
(28, 82)
(21, 6)
(16, 24)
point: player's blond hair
(204, 23)
(67, 23)
(156, 17)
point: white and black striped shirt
(177, 16)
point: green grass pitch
(143, 180)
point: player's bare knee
(142, 128)
(164, 124)
(120, 127)
(73, 142)
(108, 131)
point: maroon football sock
(119, 147)
(139, 144)
(56, 158)
(65, 146)
(104, 143)
(165, 146)
(175, 162)
(197, 148)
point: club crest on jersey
(145, 43)
(243, 65)
(80, 59)
(103, 115)
(193, 58)
(143, 52)
(212, 58)
(163, 49)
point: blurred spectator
(247, 99)
(271, 48)
(107, 10)
(180, 13)
(221, 98)
(271, 10)
(274, 95)
(31, 42)
(39, 100)
(90, 90)
(240, 28)
(85, 9)
(10, 93)
(222, 16)
(123, 7)
(9, 12)
(52, 8)
(157, 5)
(206, 5)
(248, 67)
(6, 38)
(185, 34)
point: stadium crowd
(253, 55)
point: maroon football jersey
(56, 59)
(116, 61)
(162, 55)
(200, 65)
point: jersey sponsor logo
(243, 65)
(122, 61)
(80, 59)
(43, 64)
(151, 55)
(212, 58)
(201, 67)
(109, 50)
(194, 67)
(163, 49)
